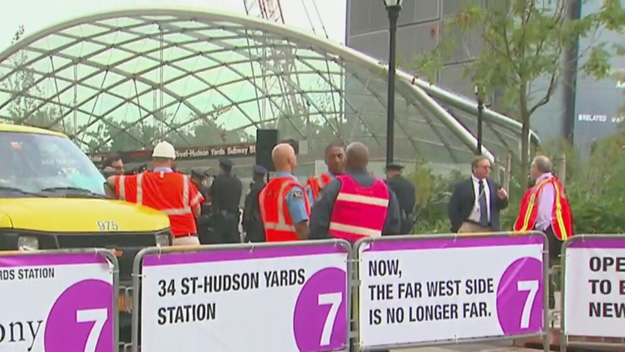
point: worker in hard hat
(165, 190)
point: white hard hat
(164, 150)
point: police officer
(405, 192)
(252, 223)
(225, 194)
(335, 161)
(330, 212)
(283, 202)
(200, 180)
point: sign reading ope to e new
(594, 287)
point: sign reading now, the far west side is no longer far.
(416, 291)
(56, 303)
(594, 284)
(265, 299)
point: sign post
(287, 297)
(593, 291)
(58, 301)
(429, 290)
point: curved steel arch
(424, 98)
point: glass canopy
(123, 80)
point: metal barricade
(438, 295)
(295, 278)
(591, 269)
(61, 291)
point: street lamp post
(392, 7)
(480, 118)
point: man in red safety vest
(355, 205)
(163, 189)
(283, 202)
(545, 208)
(335, 161)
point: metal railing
(369, 315)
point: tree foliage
(523, 46)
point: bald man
(283, 201)
(355, 205)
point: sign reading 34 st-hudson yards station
(423, 290)
(265, 298)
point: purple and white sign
(287, 299)
(421, 290)
(56, 303)
(594, 287)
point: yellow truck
(52, 197)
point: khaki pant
(469, 227)
(186, 241)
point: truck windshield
(34, 164)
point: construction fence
(388, 292)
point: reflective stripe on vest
(317, 183)
(122, 187)
(357, 198)
(369, 221)
(358, 230)
(558, 208)
(281, 225)
(324, 179)
(186, 209)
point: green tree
(523, 41)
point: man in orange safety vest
(545, 208)
(283, 202)
(163, 189)
(335, 160)
(355, 205)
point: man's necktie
(483, 205)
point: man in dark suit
(476, 202)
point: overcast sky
(38, 14)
